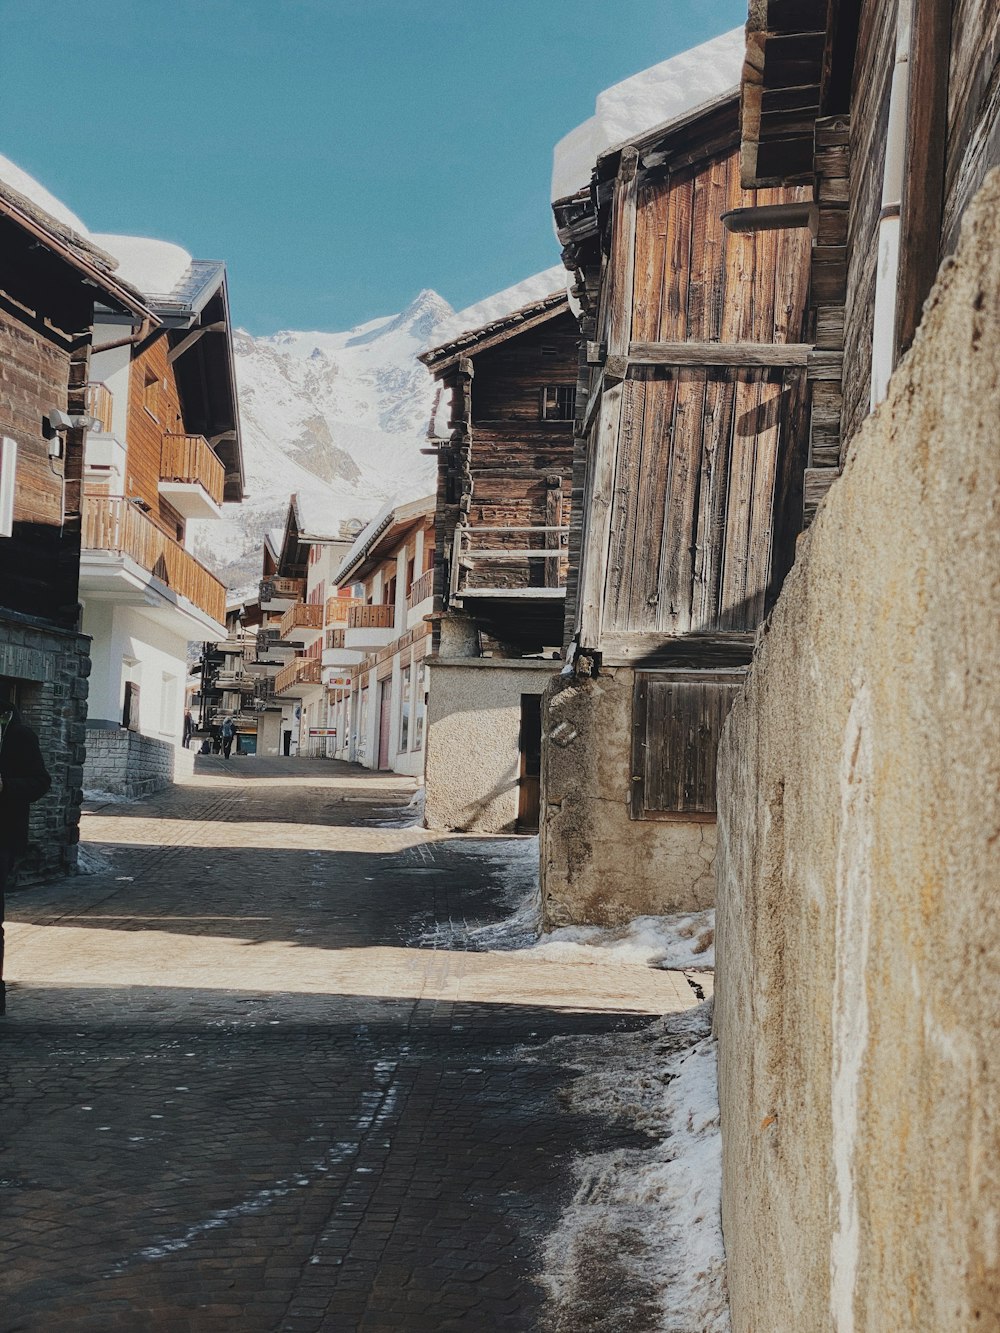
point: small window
(8, 485)
(151, 394)
(549, 349)
(558, 402)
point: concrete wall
(858, 941)
(599, 866)
(473, 726)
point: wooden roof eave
(119, 293)
(439, 360)
(786, 72)
(689, 137)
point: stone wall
(598, 866)
(50, 668)
(858, 940)
(126, 763)
(473, 725)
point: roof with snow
(653, 97)
(389, 526)
(472, 341)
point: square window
(558, 402)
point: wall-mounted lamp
(56, 422)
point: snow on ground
(676, 942)
(89, 861)
(410, 815)
(640, 1244)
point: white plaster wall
(130, 646)
(473, 725)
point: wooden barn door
(530, 765)
(384, 721)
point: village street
(241, 1091)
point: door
(530, 746)
(384, 722)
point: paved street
(241, 1093)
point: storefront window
(404, 720)
(419, 706)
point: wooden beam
(718, 354)
(191, 338)
(923, 175)
(649, 649)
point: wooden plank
(677, 265)
(709, 535)
(650, 501)
(741, 469)
(761, 526)
(622, 262)
(597, 531)
(676, 555)
(624, 522)
(737, 317)
(718, 354)
(650, 257)
(815, 484)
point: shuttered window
(676, 723)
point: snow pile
(514, 863)
(89, 861)
(153, 267)
(12, 175)
(641, 1242)
(648, 99)
(410, 815)
(671, 942)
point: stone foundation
(50, 667)
(126, 763)
(858, 940)
(598, 866)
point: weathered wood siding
(708, 459)
(973, 143)
(146, 430)
(869, 124)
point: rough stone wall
(473, 756)
(126, 763)
(51, 668)
(599, 866)
(858, 940)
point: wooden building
(695, 376)
(888, 111)
(503, 435)
(50, 279)
(166, 450)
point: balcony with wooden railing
(381, 616)
(420, 589)
(302, 671)
(338, 609)
(509, 557)
(192, 477)
(276, 591)
(303, 616)
(119, 527)
(99, 404)
(334, 638)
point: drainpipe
(887, 271)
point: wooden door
(384, 722)
(530, 766)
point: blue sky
(339, 156)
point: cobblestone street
(239, 1092)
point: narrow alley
(252, 1079)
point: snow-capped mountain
(339, 417)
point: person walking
(228, 731)
(23, 779)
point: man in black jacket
(23, 779)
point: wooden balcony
(420, 590)
(114, 525)
(334, 638)
(280, 590)
(99, 404)
(509, 557)
(382, 616)
(303, 671)
(301, 616)
(187, 464)
(338, 608)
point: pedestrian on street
(23, 779)
(228, 732)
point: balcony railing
(334, 638)
(99, 404)
(420, 589)
(338, 608)
(303, 671)
(189, 458)
(304, 615)
(277, 587)
(113, 524)
(509, 557)
(382, 616)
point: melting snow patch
(640, 1245)
(410, 815)
(90, 861)
(673, 942)
(514, 866)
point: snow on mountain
(340, 418)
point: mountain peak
(417, 320)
